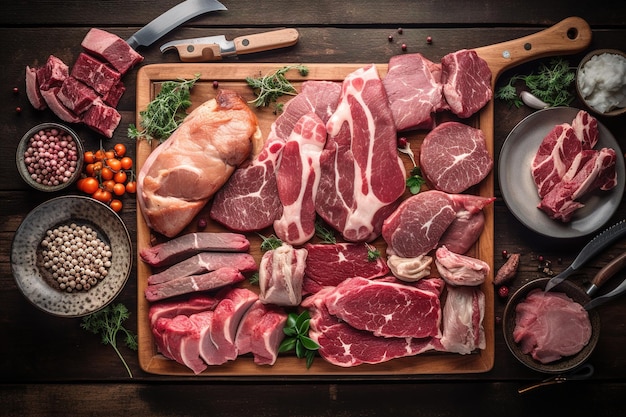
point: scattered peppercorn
(429, 39)
(16, 90)
(390, 38)
(202, 223)
(503, 291)
(540, 258)
(18, 109)
(402, 142)
(216, 84)
(404, 46)
(400, 31)
(505, 254)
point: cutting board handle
(569, 36)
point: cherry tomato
(116, 205)
(131, 187)
(114, 163)
(90, 185)
(127, 162)
(99, 155)
(102, 195)
(109, 154)
(106, 173)
(90, 158)
(120, 150)
(108, 185)
(120, 177)
(119, 188)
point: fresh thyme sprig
(270, 87)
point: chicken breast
(182, 174)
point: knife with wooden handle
(213, 48)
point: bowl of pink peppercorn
(50, 157)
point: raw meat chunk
(261, 332)
(112, 49)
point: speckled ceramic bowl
(26, 250)
(614, 112)
(566, 363)
(23, 169)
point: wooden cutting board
(571, 35)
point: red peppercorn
(390, 38)
(216, 84)
(540, 258)
(18, 110)
(402, 142)
(16, 90)
(505, 254)
(404, 46)
(400, 31)
(503, 291)
(429, 39)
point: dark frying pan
(577, 294)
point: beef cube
(58, 108)
(52, 74)
(102, 118)
(95, 73)
(32, 89)
(112, 49)
(76, 96)
(115, 94)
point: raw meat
(194, 303)
(32, 89)
(178, 338)
(463, 315)
(249, 200)
(454, 157)
(206, 348)
(175, 250)
(464, 231)
(76, 96)
(114, 95)
(58, 108)
(95, 73)
(343, 345)
(387, 309)
(52, 74)
(182, 174)
(102, 118)
(112, 49)
(362, 175)
(550, 325)
(414, 91)
(410, 269)
(297, 179)
(586, 129)
(205, 262)
(260, 332)
(330, 264)
(554, 157)
(185, 285)
(280, 275)
(466, 79)
(460, 270)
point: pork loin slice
(460, 270)
(463, 315)
(32, 89)
(205, 262)
(195, 303)
(219, 345)
(454, 157)
(182, 247)
(113, 49)
(261, 332)
(466, 79)
(550, 325)
(362, 174)
(331, 264)
(280, 275)
(183, 173)
(414, 91)
(387, 309)
(343, 345)
(178, 338)
(193, 283)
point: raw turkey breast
(182, 174)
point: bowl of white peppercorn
(71, 256)
(50, 157)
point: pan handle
(569, 36)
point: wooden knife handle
(199, 52)
(609, 270)
(569, 36)
(266, 41)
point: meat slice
(343, 345)
(249, 200)
(184, 246)
(205, 262)
(280, 275)
(586, 129)
(195, 303)
(297, 179)
(53, 73)
(95, 73)
(226, 318)
(454, 157)
(32, 89)
(185, 285)
(178, 338)
(76, 95)
(182, 174)
(414, 91)
(460, 270)
(466, 79)
(331, 264)
(464, 231)
(112, 49)
(550, 326)
(57, 107)
(101, 118)
(260, 332)
(555, 155)
(362, 174)
(463, 315)
(410, 269)
(387, 309)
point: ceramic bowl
(614, 112)
(25, 144)
(34, 280)
(566, 363)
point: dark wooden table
(49, 366)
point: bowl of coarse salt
(50, 157)
(601, 82)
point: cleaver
(213, 48)
(172, 18)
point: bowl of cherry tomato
(108, 175)
(49, 157)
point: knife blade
(172, 18)
(591, 249)
(213, 48)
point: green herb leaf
(415, 181)
(108, 322)
(325, 234)
(297, 337)
(372, 253)
(270, 243)
(270, 87)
